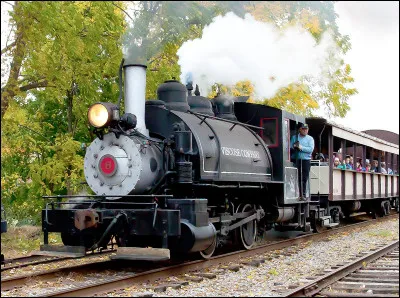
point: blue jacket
(307, 146)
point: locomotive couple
(301, 147)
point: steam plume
(233, 49)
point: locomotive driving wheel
(248, 231)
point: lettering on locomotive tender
(240, 152)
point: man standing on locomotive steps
(302, 146)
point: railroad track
(374, 274)
(141, 273)
(26, 261)
(32, 260)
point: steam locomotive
(183, 174)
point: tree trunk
(11, 88)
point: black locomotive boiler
(181, 174)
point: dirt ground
(21, 241)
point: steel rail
(40, 259)
(11, 282)
(30, 260)
(328, 279)
(152, 275)
(18, 281)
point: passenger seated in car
(351, 162)
(347, 163)
(367, 166)
(359, 167)
(375, 166)
(338, 165)
(383, 170)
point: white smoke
(233, 49)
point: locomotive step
(61, 251)
(140, 253)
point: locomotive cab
(286, 211)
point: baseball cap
(303, 125)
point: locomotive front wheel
(247, 231)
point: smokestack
(135, 91)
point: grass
(21, 241)
(382, 234)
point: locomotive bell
(129, 120)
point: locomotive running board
(140, 253)
(61, 251)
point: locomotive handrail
(225, 120)
(102, 196)
(106, 202)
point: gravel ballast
(281, 269)
(273, 277)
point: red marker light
(108, 165)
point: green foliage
(75, 49)
(295, 98)
(34, 164)
(58, 166)
(242, 88)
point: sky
(373, 28)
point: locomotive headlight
(101, 114)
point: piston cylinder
(194, 238)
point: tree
(308, 94)
(65, 57)
(61, 45)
